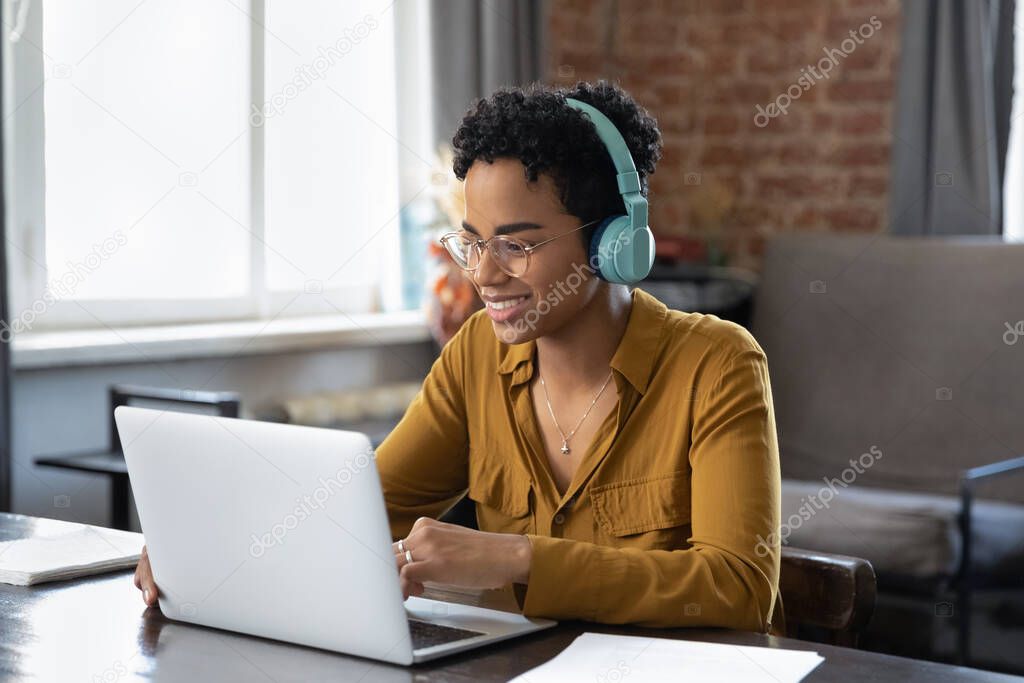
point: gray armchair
(897, 394)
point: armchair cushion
(904, 535)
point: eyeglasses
(510, 254)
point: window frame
(25, 79)
(1013, 176)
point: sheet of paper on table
(601, 657)
(59, 550)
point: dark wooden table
(97, 629)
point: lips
(507, 308)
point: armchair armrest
(965, 578)
(835, 593)
(967, 480)
(992, 469)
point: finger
(420, 523)
(141, 574)
(410, 588)
(146, 583)
(418, 572)
(401, 558)
(143, 562)
(150, 592)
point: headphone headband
(628, 179)
(632, 264)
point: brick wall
(702, 67)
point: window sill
(50, 349)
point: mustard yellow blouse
(669, 518)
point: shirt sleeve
(423, 462)
(729, 576)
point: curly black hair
(535, 125)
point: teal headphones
(622, 247)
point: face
(559, 281)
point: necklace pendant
(565, 448)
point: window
(1013, 183)
(186, 160)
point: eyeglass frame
(528, 249)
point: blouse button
(559, 518)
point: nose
(487, 272)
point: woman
(622, 456)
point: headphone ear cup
(598, 258)
(642, 270)
(612, 251)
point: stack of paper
(601, 657)
(57, 550)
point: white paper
(58, 550)
(602, 658)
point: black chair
(110, 462)
(827, 598)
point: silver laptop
(280, 531)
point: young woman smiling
(622, 456)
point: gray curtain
(952, 125)
(477, 47)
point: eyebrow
(506, 229)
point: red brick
(861, 91)
(863, 121)
(808, 219)
(862, 154)
(867, 57)
(722, 155)
(869, 187)
(795, 186)
(702, 66)
(742, 92)
(721, 124)
(798, 152)
(853, 219)
(720, 61)
(744, 32)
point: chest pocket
(646, 512)
(501, 491)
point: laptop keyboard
(428, 634)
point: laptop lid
(268, 529)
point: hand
(144, 579)
(458, 556)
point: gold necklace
(565, 439)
